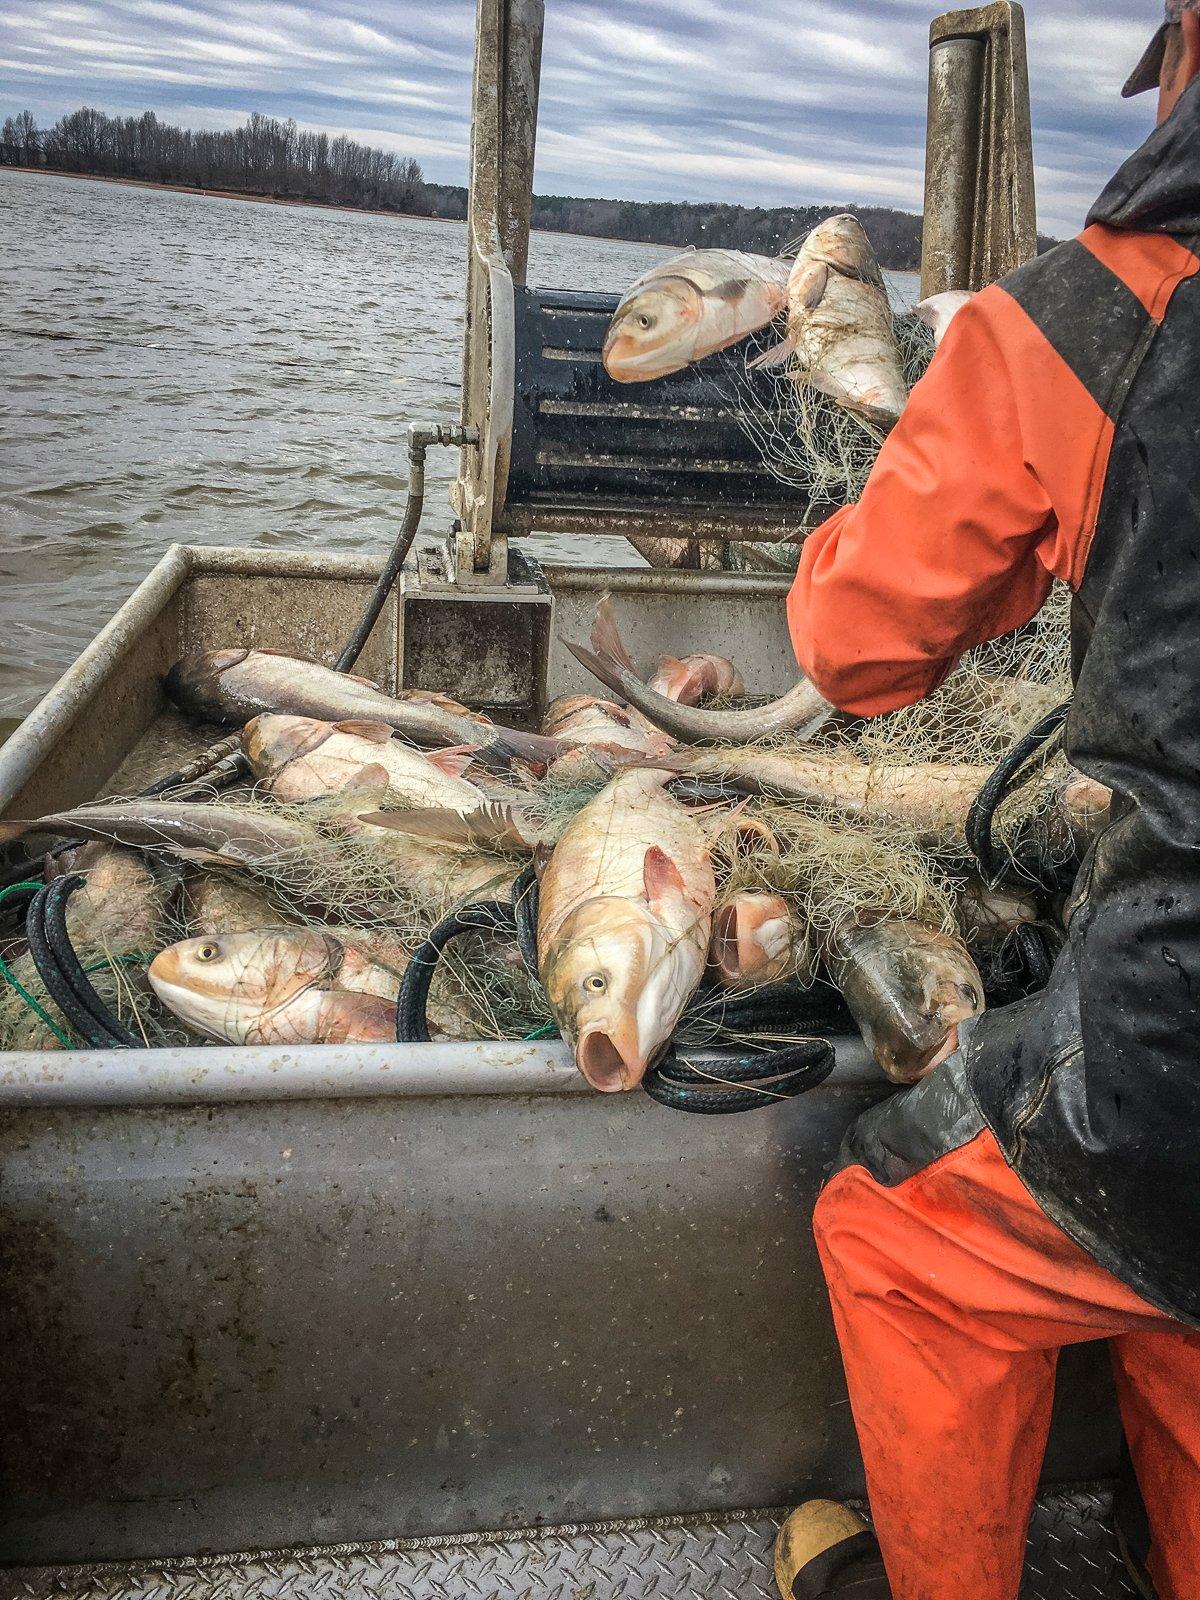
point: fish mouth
(607, 1066)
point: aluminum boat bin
(260, 1299)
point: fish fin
(811, 285)
(837, 391)
(595, 664)
(376, 732)
(348, 1016)
(534, 748)
(490, 826)
(606, 637)
(453, 760)
(938, 311)
(541, 857)
(439, 823)
(662, 879)
(774, 357)
(207, 858)
(369, 779)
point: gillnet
(805, 439)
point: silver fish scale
(1072, 1556)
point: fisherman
(1042, 1186)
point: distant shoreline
(317, 205)
(326, 205)
(225, 194)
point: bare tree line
(265, 156)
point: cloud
(682, 99)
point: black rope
(746, 1083)
(743, 1083)
(1034, 944)
(60, 971)
(1007, 777)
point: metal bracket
(508, 50)
(980, 201)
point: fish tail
(606, 637)
(599, 666)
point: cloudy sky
(758, 101)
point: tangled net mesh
(805, 439)
(827, 863)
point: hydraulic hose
(419, 439)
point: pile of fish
(837, 328)
(677, 845)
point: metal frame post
(980, 200)
(508, 55)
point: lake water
(183, 368)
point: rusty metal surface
(271, 1322)
(263, 1324)
(980, 194)
(676, 612)
(72, 740)
(1072, 1556)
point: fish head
(271, 740)
(654, 331)
(194, 682)
(753, 939)
(221, 985)
(842, 243)
(617, 982)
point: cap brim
(1148, 72)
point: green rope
(548, 1030)
(11, 978)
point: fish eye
(208, 952)
(643, 320)
(596, 982)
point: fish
(118, 913)
(596, 735)
(989, 915)
(624, 923)
(754, 940)
(933, 799)
(438, 858)
(908, 987)
(232, 686)
(301, 758)
(690, 307)
(122, 903)
(803, 711)
(287, 986)
(215, 903)
(840, 331)
(696, 678)
(220, 835)
(938, 311)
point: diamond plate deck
(1072, 1556)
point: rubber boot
(825, 1552)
